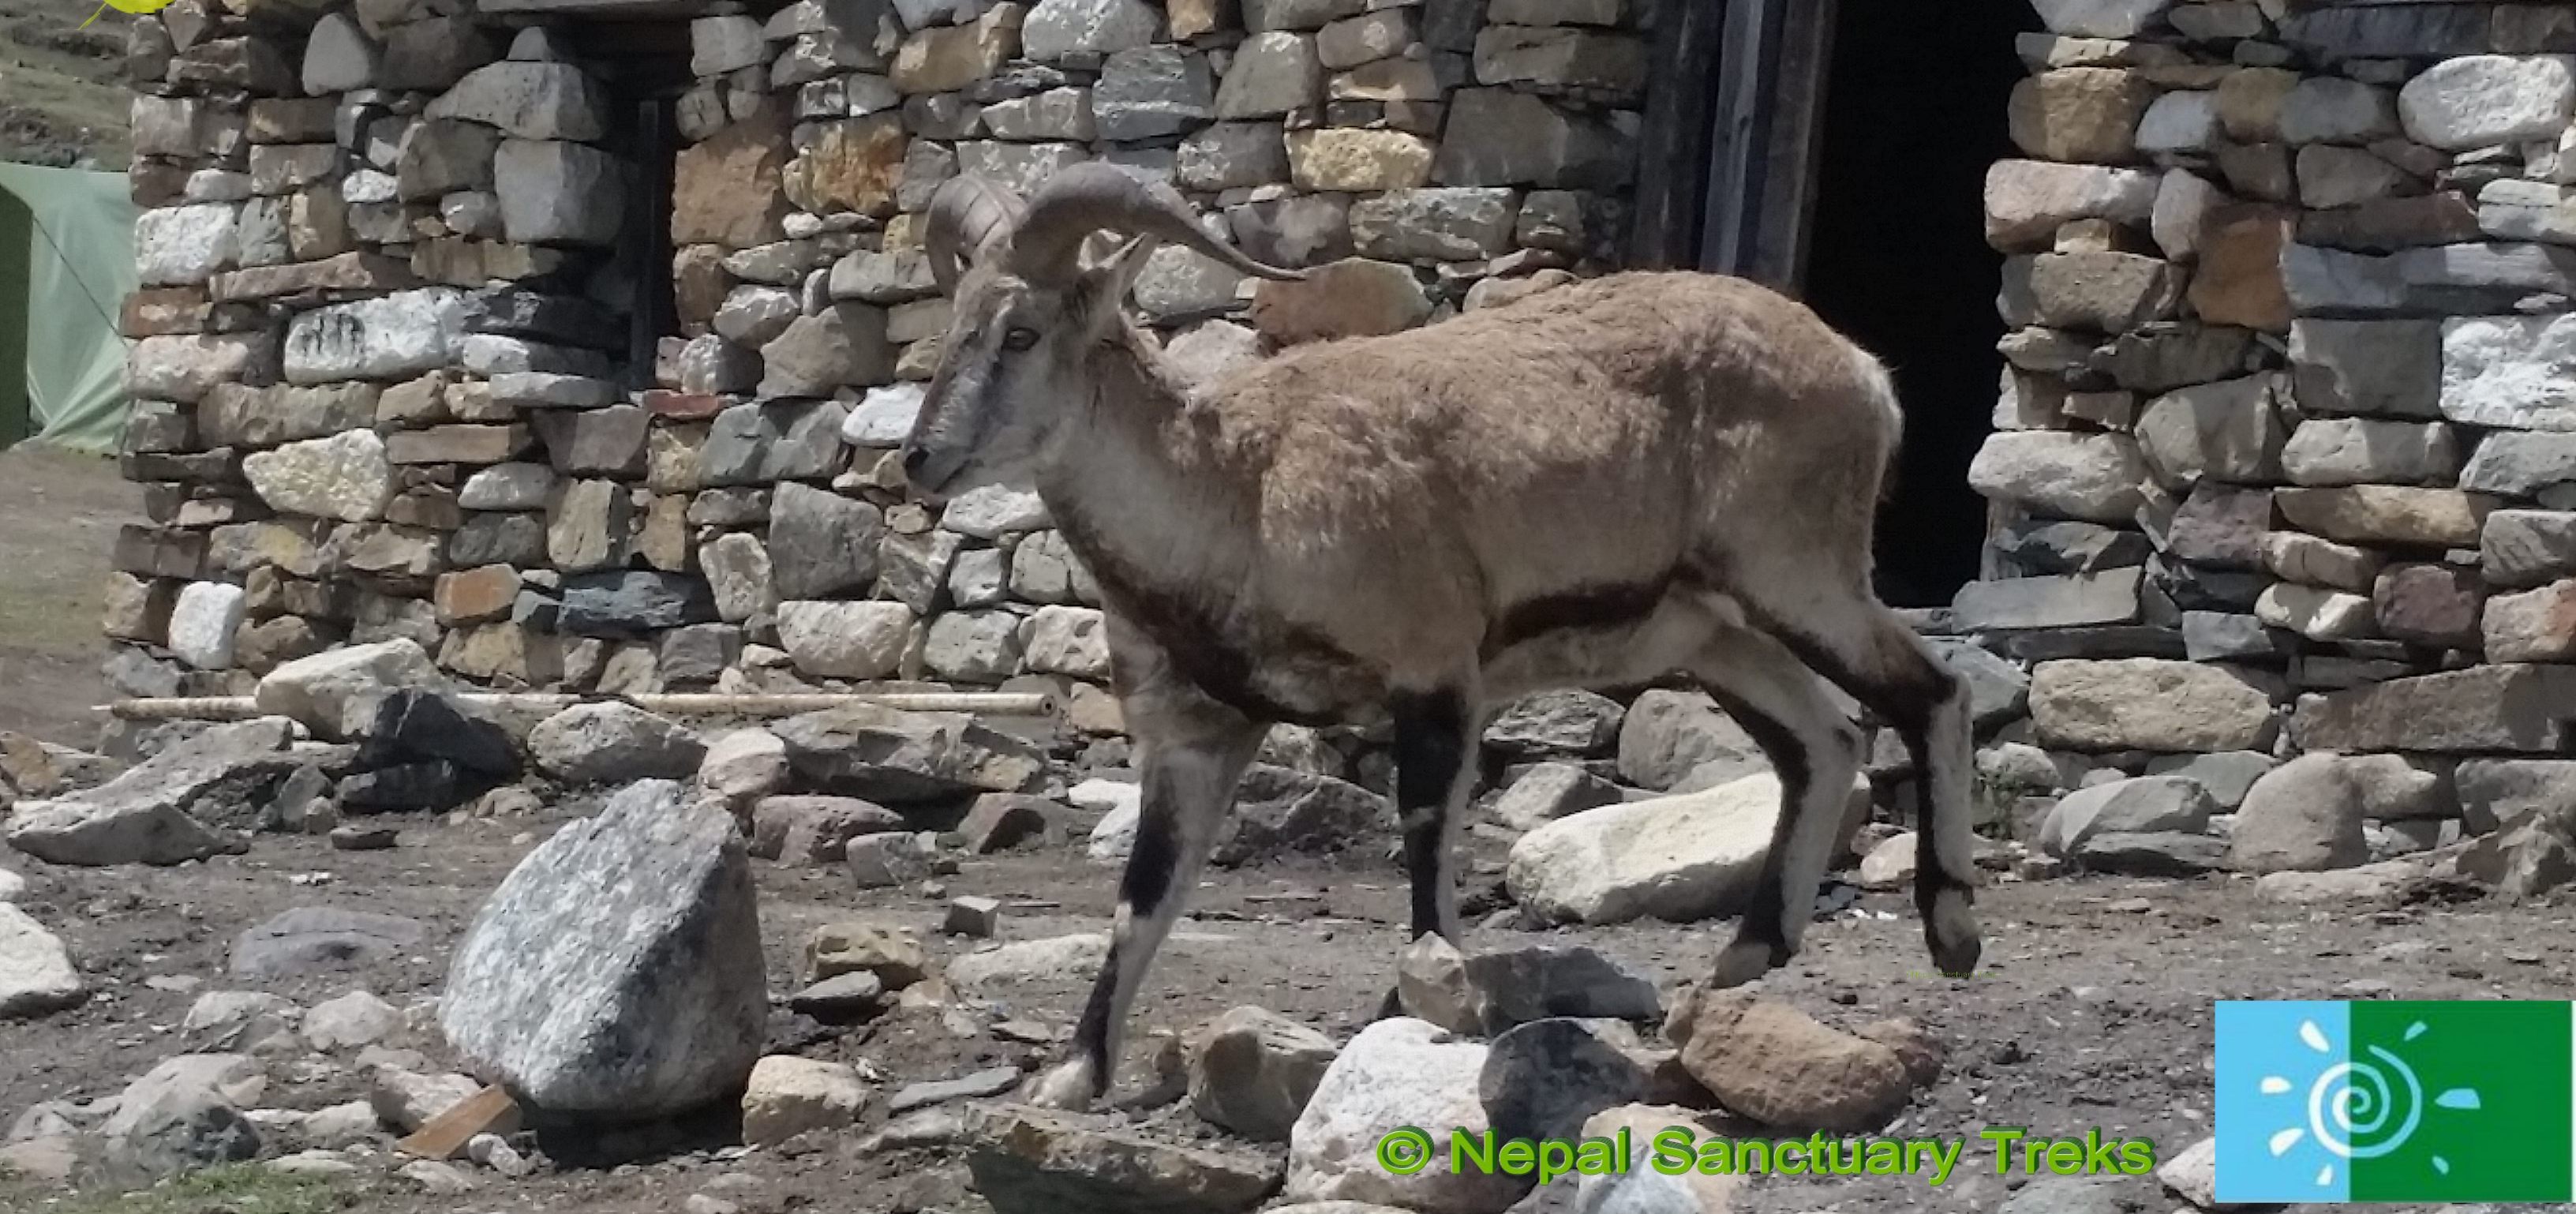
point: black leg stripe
(1430, 750)
(1764, 920)
(1157, 852)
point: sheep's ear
(1104, 286)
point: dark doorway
(1897, 258)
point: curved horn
(969, 217)
(1087, 198)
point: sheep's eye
(1019, 338)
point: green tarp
(66, 265)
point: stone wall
(2281, 457)
(380, 361)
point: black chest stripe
(1602, 606)
(1217, 660)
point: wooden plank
(1774, 59)
(1672, 169)
(443, 1137)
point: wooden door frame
(1727, 164)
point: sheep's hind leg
(1815, 751)
(1188, 787)
(1867, 651)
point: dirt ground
(59, 513)
(2094, 1012)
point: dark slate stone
(2197, 588)
(1998, 690)
(2152, 854)
(2061, 546)
(787, 440)
(432, 785)
(2376, 31)
(1544, 1079)
(310, 938)
(2216, 636)
(821, 543)
(562, 319)
(2162, 357)
(499, 539)
(1003, 820)
(536, 611)
(633, 603)
(2122, 641)
(595, 442)
(839, 1000)
(1280, 810)
(1538, 981)
(420, 725)
(698, 653)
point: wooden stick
(779, 704)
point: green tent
(66, 265)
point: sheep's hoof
(1950, 933)
(1742, 962)
(1070, 1086)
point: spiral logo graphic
(2350, 1106)
(1404, 1151)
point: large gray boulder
(617, 972)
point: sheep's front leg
(1435, 738)
(1188, 786)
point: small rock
(363, 838)
(840, 999)
(989, 1082)
(1773, 1063)
(1252, 1070)
(437, 1179)
(895, 957)
(494, 1152)
(36, 974)
(972, 916)
(788, 1096)
(1025, 1161)
(612, 743)
(351, 1021)
(408, 1100)
(1890, 865)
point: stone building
(569, 338)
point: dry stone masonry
(386, 344)
(2282, 457)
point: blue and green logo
(2395, 1102)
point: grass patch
(245, 1188)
